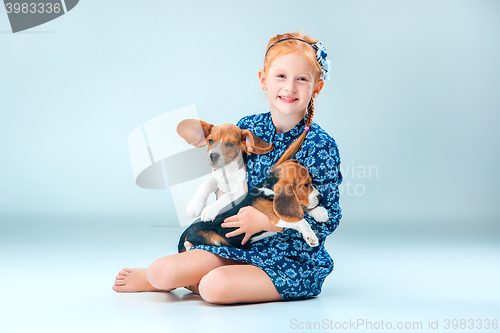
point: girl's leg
(168, 273)
(238, 284)
(131, 280)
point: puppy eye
(229, 144)
(210, 142)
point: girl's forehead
(291, 61)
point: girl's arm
(323, 161)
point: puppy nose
(320, 197)
(214, 157)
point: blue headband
(288, 39)
(320, 56)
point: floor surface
(56, 276)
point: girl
(283, 266)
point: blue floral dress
(296, 269)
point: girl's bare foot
(131, 280)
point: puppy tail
(187, 245)
(182, 241)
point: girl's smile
(290, 83)
(288, 99)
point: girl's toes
(118, 288)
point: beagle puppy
(226, 143)
(284, 196)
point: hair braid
(295, 146)
(310, 112)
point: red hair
(275, 48)
(291, 46)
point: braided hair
(288, 43)
(295, 146)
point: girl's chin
(290, 107)
(289, 112)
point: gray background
(414, 94)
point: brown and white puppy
(293, 195)
(284, 196)
(226, 143)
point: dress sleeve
(323, 162)
(243, 123)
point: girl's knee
(216, 287)
(162, 273)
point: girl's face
(290, 83)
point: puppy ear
(194, 131)
(286, 204)
(251, 143)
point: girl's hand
(249, 221)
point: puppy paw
(311, 239)
(194, 208)
(209, 213)
(319, 213)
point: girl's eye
(229, 144)
(210, 142)
(303, 79)
(281, 76)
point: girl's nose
(290, 87)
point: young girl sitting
(283, 266)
